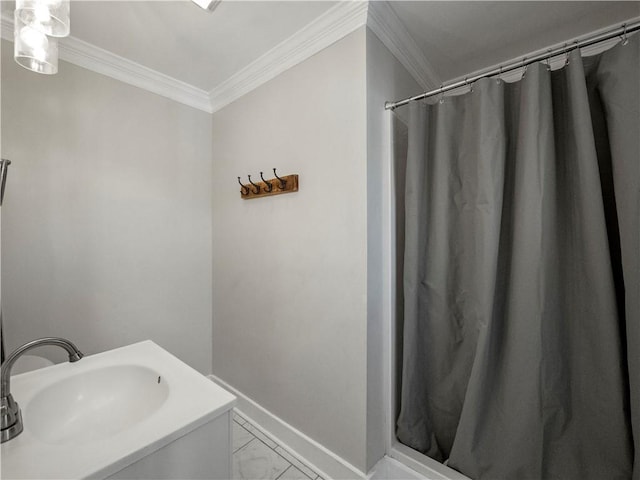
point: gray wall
(289, 272)
(301, 281)
(106, 224)
(387, 79)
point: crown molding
(102, 61)
(386, 25)
(336, 23)
(339, 21)
(86, 55)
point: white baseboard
(325, 462)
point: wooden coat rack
(265, 188)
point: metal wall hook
(257, 189)
(245, 189)
(269, 186)
(283, 182)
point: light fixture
(207, 4)
(51, 17)
(33, 49)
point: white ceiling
(183, 41)
(205, 49)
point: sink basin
(108, 416)
(96, 404)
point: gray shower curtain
(521, 355)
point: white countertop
(192, 401)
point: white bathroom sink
(95, 404)
(94, 417)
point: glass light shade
(50, 17)
(33, 49)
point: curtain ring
(470, 85)
(441, 101)
(524, 67)
(566, 54)
(549, 60)
(499, 77)
(624, 38)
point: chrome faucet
(10, 415)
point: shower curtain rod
(624, 30)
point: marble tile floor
(258, 457)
